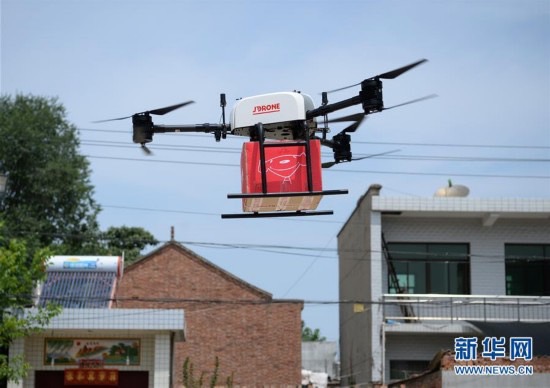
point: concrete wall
(486, 243)
(320, 357)
(360, 267)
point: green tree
(48, 203)
(310, 335)
(48, 200)
(130, 240)
(16, 285)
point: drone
(281, 162)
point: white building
(91, 344)
(419, 272)
(146, 335)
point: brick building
(256, 339)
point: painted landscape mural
(112, 351)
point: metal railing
(438, 307)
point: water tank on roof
(452, 191)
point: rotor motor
(371, 95)
(143, 128)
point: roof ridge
(193, 255)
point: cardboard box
(286, 171)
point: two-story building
(417, 273)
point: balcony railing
(437, 307)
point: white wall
(34, 353)
(487, 265)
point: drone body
(288, 121)
(281, 115)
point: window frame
(527, 287)
(405, 257)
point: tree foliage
(48, 199)
(130, 240)
(48, 203)
(17, 282)
(310, 335)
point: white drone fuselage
(279, 113)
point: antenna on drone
(324, 101)
(221, 132)
(223, 104)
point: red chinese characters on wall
(91, 377)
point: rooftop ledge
(118, 319)
(488, 209)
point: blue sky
(489, 62)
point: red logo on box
(286, 171)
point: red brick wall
(256, 338)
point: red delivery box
(286, 172)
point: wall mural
(112, 351)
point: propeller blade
(374, 155)
(159, 112)
(343, 88)
(353, 117)
(353, 127)
(168, 109)
(388, 75)
(397, 72)
(146, 150)
(327, 164)
(326, 142)
(357, 117)
(330, 164)
(413, 101)
(104, 121)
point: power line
(457, 145)
(151, 160)
(446, 174)
(160, 146)
(505, 146)
(207, 214)
(159, 210)
(233, 150)
(304, 273)
(462, 158)
(266, 301)
(285, 248)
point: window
(429, 268)
(527, 269)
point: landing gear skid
(297, 213)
